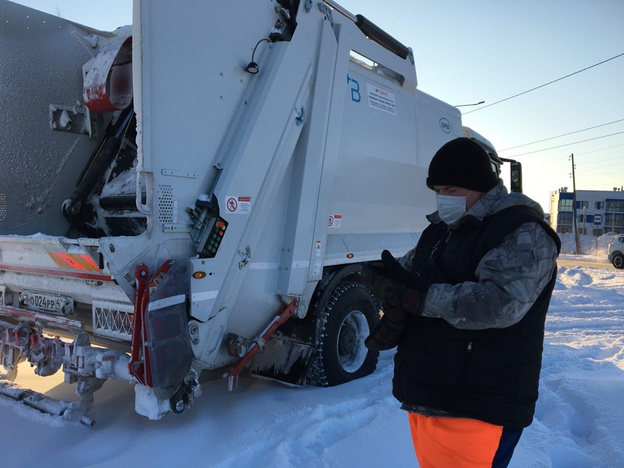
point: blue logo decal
(355, 89)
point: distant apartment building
(597, 211)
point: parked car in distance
(616, 252)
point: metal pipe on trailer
(340, 9)
(372, 31)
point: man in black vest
(466, 309)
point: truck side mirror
(516, 176)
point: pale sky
(486, 50)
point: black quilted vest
(493, 374)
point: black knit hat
(462, 163)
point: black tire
(618, 261)
(345, 321)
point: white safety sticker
(316, 271)
(238, 205)
(335, 221)
(318, 263)
(381, 99)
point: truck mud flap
(283, 359)
(259, 345)
(161, 347)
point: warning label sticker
(335, 221)
(381, 99)
(74, 261)
(238, 205)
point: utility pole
(576, 234)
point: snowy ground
(579, 419)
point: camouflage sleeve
(511, 277)
(407, 260)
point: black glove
(400, 293)
(385, 335)
(396, 271)
(398, 290)
(385, 288)
(415, 287)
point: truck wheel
(345, 321)
(618, 260)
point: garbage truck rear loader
(198, 192)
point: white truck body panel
(316, 162)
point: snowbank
(590, 245)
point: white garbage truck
(198, 191)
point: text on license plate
(47, 302)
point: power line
(601, 149)
(602, 167)
(546, 84)
(619, 158)
(567, 144)
(559, 136)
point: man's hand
(385, 335)
(386, 289)
(398, 290)
(400, 293)
(413, 300)
(396, 271)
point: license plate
(47, 302)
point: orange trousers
(457, 442)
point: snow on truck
(197, 191)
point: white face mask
(451, 208)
